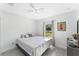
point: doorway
(48, 31)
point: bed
(34, 46)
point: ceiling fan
(34, 8)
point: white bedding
(33, 45)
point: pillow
(76, 36)
(30, 35)
(21, 36)
(26, 36)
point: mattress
(33, 45)
(32, 41)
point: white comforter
(33, 45)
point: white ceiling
(44, 9)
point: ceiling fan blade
(33, 6)
(35, 10)
(11, 4)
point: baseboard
(7, 49)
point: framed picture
(61, 26)
(48, 27)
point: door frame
(77, 26)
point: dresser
(72, 51)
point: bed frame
(24, 52)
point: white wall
(0, 35)
(39, 25)
(12, 26)
(71, 27)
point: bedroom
(18, 19)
